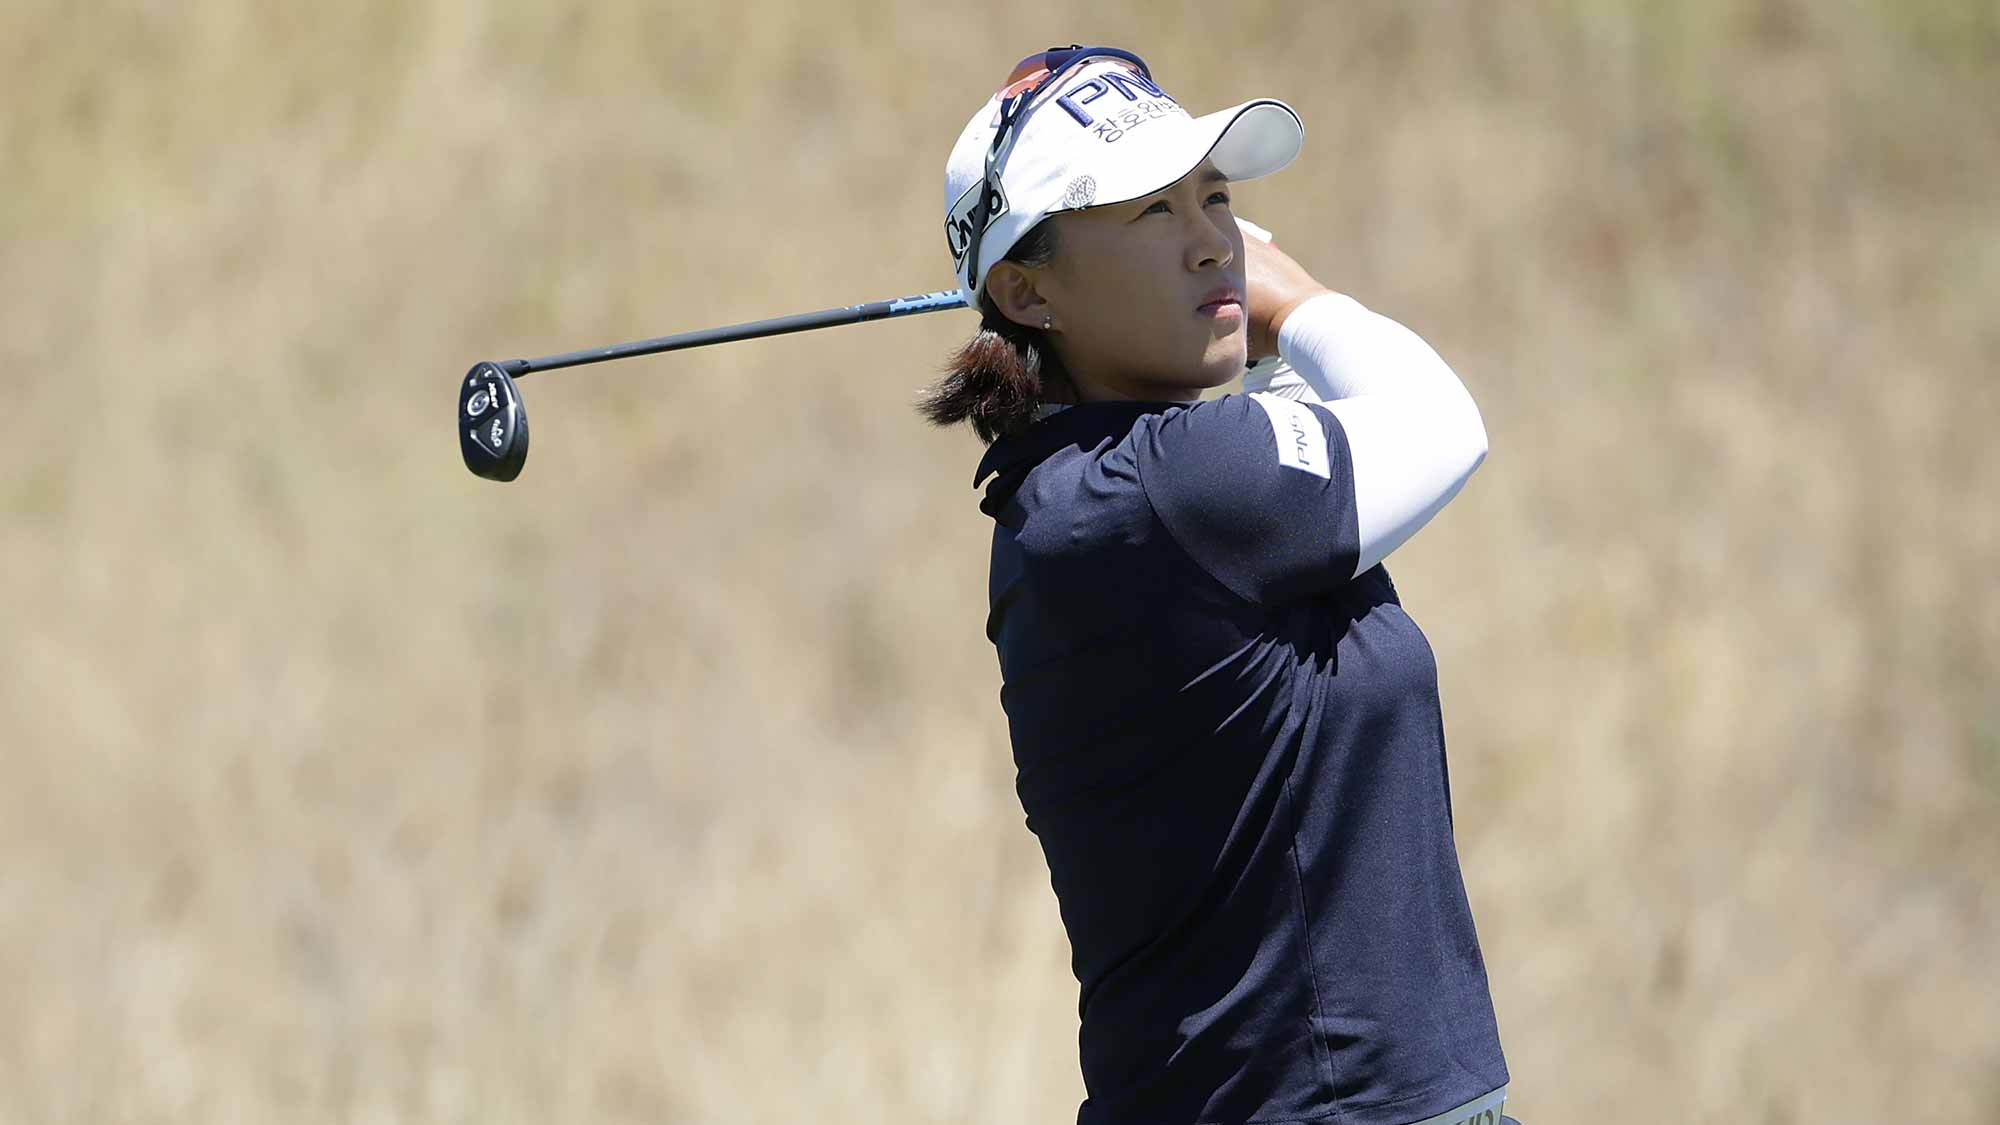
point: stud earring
(1048, 322)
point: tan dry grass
(668, 784)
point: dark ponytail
(1000, 377)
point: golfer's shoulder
(1119, 459)
(1205, 446)
(1084, 495)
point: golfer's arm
(1413, 432)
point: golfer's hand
(1277, 285)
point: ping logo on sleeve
(1300, 438)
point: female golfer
(1226, 729)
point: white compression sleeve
(1414, 433)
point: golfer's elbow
(1473, 438)
(1465, 432)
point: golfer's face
(1148, 296)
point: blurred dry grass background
(669, 782)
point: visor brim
(1245, 141)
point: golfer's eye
(1221, 197)
(1160, 206)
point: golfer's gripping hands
(1413, 433)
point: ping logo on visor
(975, 210)
(1138, 99)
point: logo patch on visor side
(958, 225)
(1300, 437)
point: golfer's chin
(1224, 359)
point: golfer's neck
(1091, 388)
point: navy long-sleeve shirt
(1231, 750)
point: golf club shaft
(756, 329)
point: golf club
(493, 422)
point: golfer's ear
(1013, 289)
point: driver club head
(492, 423)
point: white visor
(1104, 133)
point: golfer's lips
(1225, 301)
